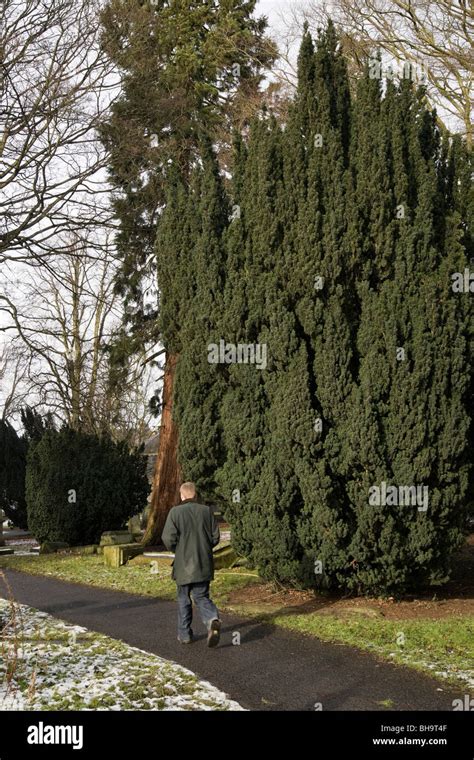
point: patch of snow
(62, 666)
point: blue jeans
(207, 608)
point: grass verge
(440, 647)
(133, 579)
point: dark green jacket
(191, 531)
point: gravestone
(115, 537)
(116, 555)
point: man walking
(191, 531)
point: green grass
(134, 579)
(388, 703)
(433, 646)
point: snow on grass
(47, 664)
(441, 669)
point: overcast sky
(274, 9)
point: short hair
(187, 490)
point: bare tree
(13, 372)
(55, 84)
(436, 35)
(65, 321)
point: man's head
(187, 491)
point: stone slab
(116, 537)
(117, 555)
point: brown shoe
(214, 633)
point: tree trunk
(166, 479)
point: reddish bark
(166, 479)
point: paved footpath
(272, 669)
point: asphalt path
(270, 669)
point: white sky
(276, 11)
(272, 9)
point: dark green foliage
(325, 307)
(35, 424)
(352, 220)
(13, 454)
(78, 486)
(13, 450)
(371, 212)
(266, 409)
(409, 419)
(198, 283)
(459, 229)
